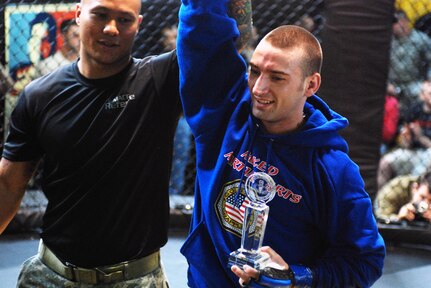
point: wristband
(271, 277)
(295, 276)
(303, 276)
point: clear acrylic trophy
(260, 189)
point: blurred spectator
(390, 118)
(169, 38)
(312, 24)
(413, 9)
(409, 61)
(68, 51)
(311, 16)
(413, 156)
(405, 197)
(307, 22)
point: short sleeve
(21, 142)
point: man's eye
(276, 78)
(254, 71)
(99, 15)
(124, 20)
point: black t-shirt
(107, 148)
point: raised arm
(211, 68)
(14, 177)
(241, 11)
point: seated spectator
(413, 156)
(405, 197)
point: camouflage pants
(36, 274)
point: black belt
(106, 274)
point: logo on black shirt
(119, 101)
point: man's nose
(260, 86)
(111, 28)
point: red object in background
(390, 119)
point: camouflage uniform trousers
(36, 274)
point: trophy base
(257, 260)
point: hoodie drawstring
(268, 154)
(250, 148)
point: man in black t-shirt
(104, 126)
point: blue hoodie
(321, 216)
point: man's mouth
(263, 101)
(108, 43)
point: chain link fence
(33, 31)
(36, 36)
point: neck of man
(279, 129)
(92, 69)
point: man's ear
(312, 84)
(78, 13)
(139, 22)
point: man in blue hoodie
(270, 120)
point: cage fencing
(32, 31)
(34, 39)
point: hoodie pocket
(202, 258)
(198, 246)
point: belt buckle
(85, 275)
(117, 274)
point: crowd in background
(405, 164)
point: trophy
(260, 189)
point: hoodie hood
(319, 131)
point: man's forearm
(9, 205)
(241, 11)
(13, 182)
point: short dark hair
(65, 25)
